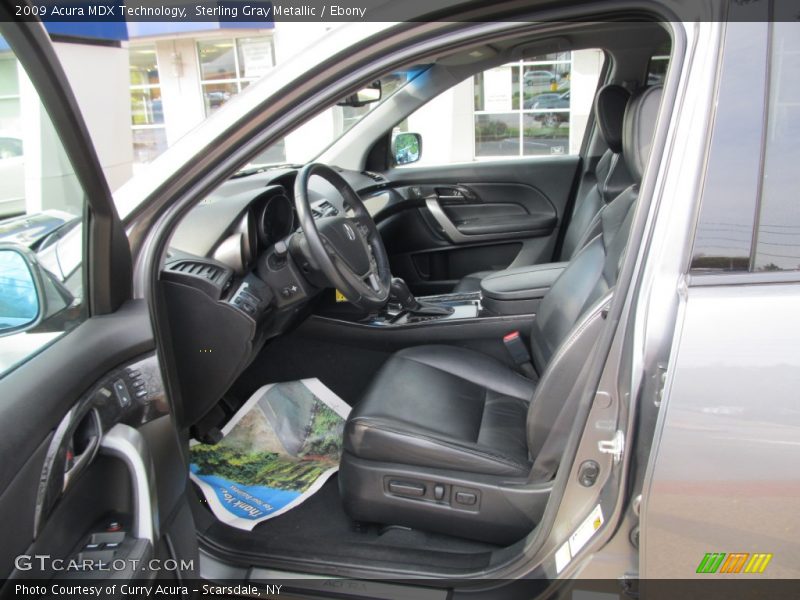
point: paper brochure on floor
(276, 451)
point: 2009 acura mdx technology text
(450, 376)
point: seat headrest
(609, 110)
(638, 127)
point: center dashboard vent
(198, 269)
(323, 209)
(375, 176)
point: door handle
(82, 425)
(457, 194)
(86, 437)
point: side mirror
(406, 148)
(364, 96)
(22, 303)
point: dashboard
(235, 276)
(246, 216)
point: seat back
(609, 177)
(571, 306)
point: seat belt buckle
(516, 348)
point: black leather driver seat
(452, 440)
(598, 187)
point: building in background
(143, 86)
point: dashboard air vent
(198, 269)
(374, 176)
(323, 208)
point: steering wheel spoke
(365, 226)
(373, 281)
(348, 250)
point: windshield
(310, 139)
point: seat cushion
(444, 407)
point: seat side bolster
(379, 440)
(561, 376)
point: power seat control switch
(438, 492)
(466, 498)
(405, 488)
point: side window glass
(538, 106)
(725, 226)
(41, 237)
(750, 216)
(657, 67)
(778, 235)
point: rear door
(499, 164)
(83, 415)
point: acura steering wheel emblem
(351, 234)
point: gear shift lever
(400, 294)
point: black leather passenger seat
(451, 440)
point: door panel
(83, 456)
(449, 221)
(83, 417)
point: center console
(519, 291)
(508, 293)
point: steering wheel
(348, 250)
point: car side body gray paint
(722, 471)
(723, 477)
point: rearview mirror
(21, 301)
(406, 148)
(364, 96)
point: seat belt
(519, 354)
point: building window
(227, 66)
(9, 93)
(526, 108)
(147, 111)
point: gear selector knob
(400, 294)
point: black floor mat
(319, 530)
(347, 370)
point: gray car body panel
(724, 476)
